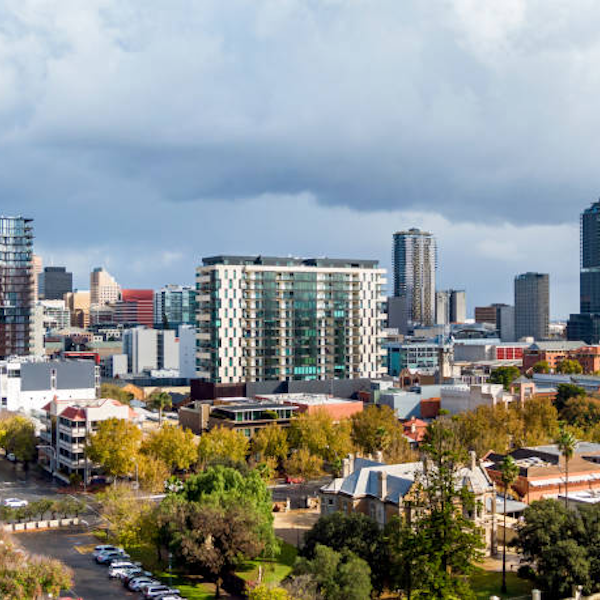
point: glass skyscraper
(585, 326)
(174, 305)
(16, 286)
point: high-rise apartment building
(585, 326)
(103, 287)
(54, 283)
(450, 307)
(16, 286)
(136, 307)
(175, 305)
(268, 318)
(532, 305)
(414, 260)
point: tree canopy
(222, 443)
(505, 375)
(569, 367)
(175, 446)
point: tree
(160, 401)
(110, 390)
(265, 592)
(569, 367)
(302, 463)
(152, 473)
(446, 542)
(354, 532)
(175, 446)
(509, 471)
(541, 366)
(338, 575)
(115, 446)
(505, 376)
(222, 443)
(566, 443)
(564, 392)
(374, 428)
(214, 539)
(321, 436)
(20, 438)
(583, 412)
(271, 442)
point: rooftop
(306, 399)
(289, 261)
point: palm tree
(509, 471)
(566, 443)
(160, 400)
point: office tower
(585, 326)
(450, 307)
(532, 305)
(78, 303)
(175, 305)
(500, 315)
(136, 307)
(268, 318)
(414, 262)
(151, 349)
(103, 287)
(37, 268)
(54, 283)
(16, 286)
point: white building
(151, 349)
(187, 351)
(56, 315)
(62, 452)
(460, 398)
(276, 318)
(27, 384)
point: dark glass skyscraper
(16, 286)
(54, 283)
(585, 326)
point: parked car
(15, 503)
(11, 457)
(118, 567)
(105, 548)
(289, 479)
(106, 558)
(159, 590)
(135, 584)
(134, 573)
(169, 596)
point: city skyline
(132, 136)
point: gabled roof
(73, 413)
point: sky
(142, 136)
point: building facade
(263, 318)
(586, 325)
(151, 349)
(414, 260)
(532, 305)
(56, 315)
(16, 286)
(419, 356)
(78, 303)
(54, 283)
(104, 289)
(136, 307)
(500, 315)
(175, 305)
(450, 307)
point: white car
(104, 548)
(11, 457)
(135, 584)
(119, 567)
(158, 590)
(15, 502)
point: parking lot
(74, 549)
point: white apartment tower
(414, 260)
(268, 318)
(104, 289)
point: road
(74, 549)
(14, 483)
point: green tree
(583, 412)
(564, 392)
(509, 471)
(110, 390)
(175, 446)
(159, 400)
(569, 367)
(152, 473)
(376, 429)
(115, 446)
(354, 532)
(541, 366)
(566, 443)
(265, 592)
(338, 575)
(505, 376)
(222, 443)
(447, 542)
(271, 442)
(20, 438)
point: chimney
(382, 484)
(379, 456)
(473, 460)
(345, 467)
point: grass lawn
(488, 583)
(273, 571)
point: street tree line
(41, 508)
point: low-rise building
(27, 384)
(461, 398)
(384, 491)
(67, 425)
(336, 408)
(555, 352)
